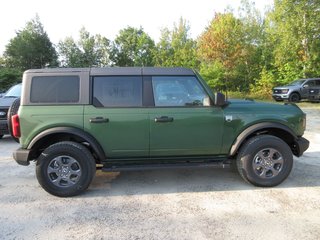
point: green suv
(73, 121)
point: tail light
(16, 126)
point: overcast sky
(62, 18)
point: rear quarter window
(55, 89)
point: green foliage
(31, 48)
(132, 47)
(176, 48)
(262, 89)
(9, 77)
(294, 31)
(88, 51)
(213, 73)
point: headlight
(285, 91)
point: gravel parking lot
(174, 204)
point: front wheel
(65, 169)
(265, 161)
(294, 97)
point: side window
(55, 89)
(117, 91)
(317, 82)
(310, 83)
(178, 91)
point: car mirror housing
(220, 99)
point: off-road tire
(64, 150)
(249, 155)
(13, 110)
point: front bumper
(280, 96)
(22, 156)
(300, 146)
(4, 127)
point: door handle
(163, 119)
(99, 120)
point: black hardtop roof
(120, 70)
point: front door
(183, 123)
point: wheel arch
(275, 129)
(295, 92)
(57, 134)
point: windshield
(296, 83)
(14, 91)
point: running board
(142, 167)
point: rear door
(183, 122)
(117, 118)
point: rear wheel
(13, 110)
(65, 169)
(265, 161)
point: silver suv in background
(295, 91)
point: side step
(141, 167)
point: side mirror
(306, 86)
(220, 99)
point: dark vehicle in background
(314, 94)
(5, 102)
(295, 91)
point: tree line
(241, 51)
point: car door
(117, 118)
(183, 122)
(305, 88)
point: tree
(30, 48)
(294, 31)
(88, 51)
(9, 77)
(132, 47)
(223, 42)
(176, 48)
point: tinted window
(317, 83)
(178, 91)
(310, 83)
(55, 89)
(117, 91)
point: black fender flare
(257, 127)
(94, 144)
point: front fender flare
(254, 128)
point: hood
(260, 107)
(6, 101)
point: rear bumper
(22, 156)
(300, 146)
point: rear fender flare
(94, 144)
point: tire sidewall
(258, 144)
(75, 151)
(14, 108)
(293, 100)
